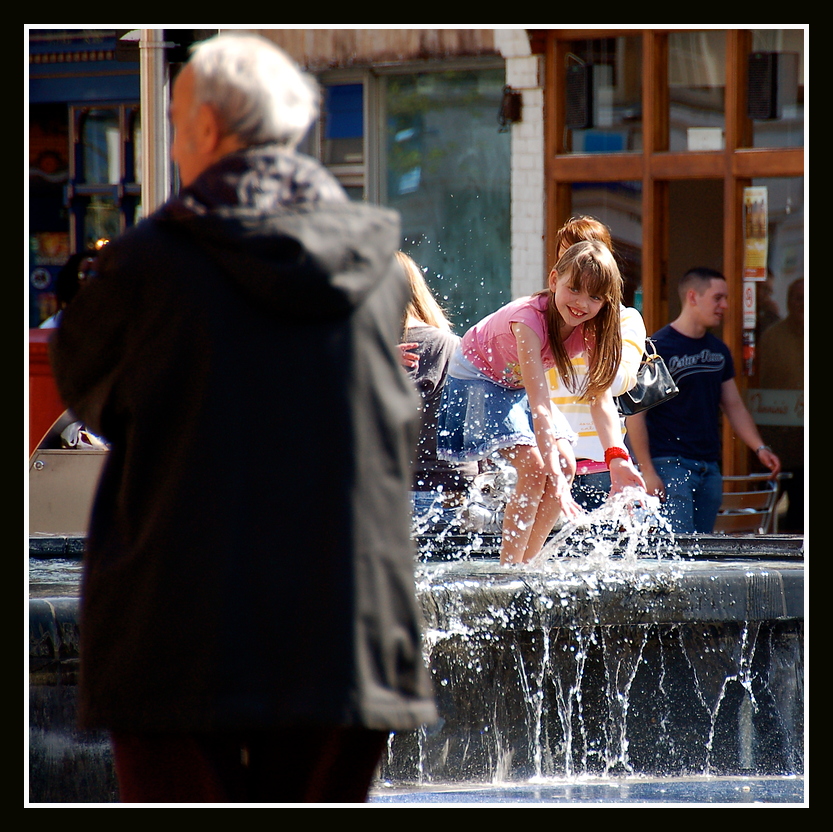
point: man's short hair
(698, 279)
(257, 91)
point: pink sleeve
(532, 314)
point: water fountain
(642, 657)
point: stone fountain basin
(719, 578)
(474, 594)
(592, 666)
(580, 666)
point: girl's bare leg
(549, 508)
(522, 509)
(533, 510)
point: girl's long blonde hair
(589, 265)
(422, 305)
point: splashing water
(627, 526)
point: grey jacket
(249, 563)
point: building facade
(688, 143)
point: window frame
(736, 166)
(126, 193)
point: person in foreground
(677, 444)
(249, 623)
(497, 397)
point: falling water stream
(613, 654)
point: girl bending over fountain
(497, 396)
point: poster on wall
(750, 309)
(756, 225)
(749, 321)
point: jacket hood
(282, 229)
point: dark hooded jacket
(248, 562)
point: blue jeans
(591, 490)
(693, 493)
(431, 512)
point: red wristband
(616, 453)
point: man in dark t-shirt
(677, 443)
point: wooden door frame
(736, 166)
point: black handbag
(654, 384)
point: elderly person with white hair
(249, 622)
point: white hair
(258, 92)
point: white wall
(525, 74)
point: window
(619, 206)
(432, 149)
(696, 90)
(447, 171)
(785, 236)
(342, 135)
(48, 219)
(775, 100)
(603, 95)
(104, 186)
(99, 147)
(84, 185)
(775, 396)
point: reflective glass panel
(776, 87)
(100, 139)
(696, 90)
(447, 171)
(135, 175)
(342, 142)
(619, 206)
(603, 83)
(101, 220)
(775, 396)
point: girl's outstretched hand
(622, 474)
(569, 506)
